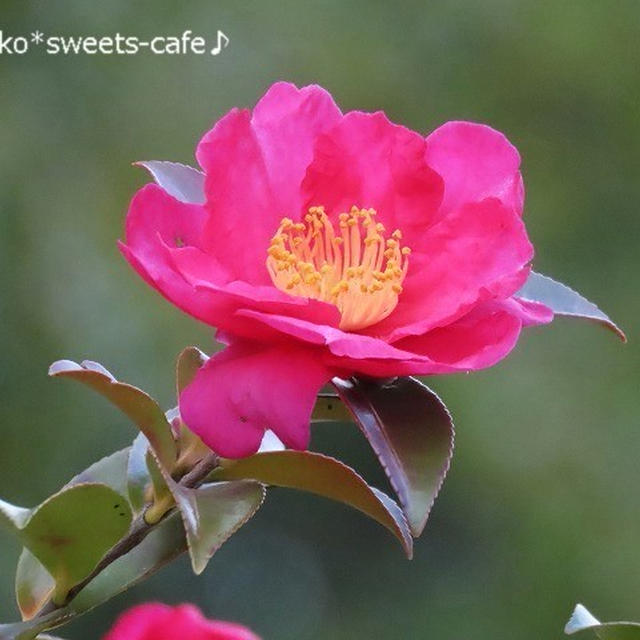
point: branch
(199, 473)
(138, 532)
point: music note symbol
(219, 46)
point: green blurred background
(540, 509)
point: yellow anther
(350, 263)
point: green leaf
(70, 552)
(582, 620)
(165, 542)
(323, 476)
(565, 301)
(189, 361)
(411, 432)
(34, 585)
(330, 408)
(157, 474)
(212, 513)
(17, 631)
(162, 496)
(137, 473)
(137, 405)
(13, 518)
(110, 470)
(178, 180)
(33, 582)
(271, 442)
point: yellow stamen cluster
(357, 269)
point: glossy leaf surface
(13, 518)
(33, 582)
(583, 621)
(564, 301)
(137, 473)
(330, 408)
(323, 476)
(70, 552)
(411, 432)
(165, 542)
(34, 585)
(110, 470)
(189, 361)
(178, 180)
(137, 405)
(159, 481)
(213, 513)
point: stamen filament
(362, 276)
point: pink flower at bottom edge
(154, 621)
(334, 244)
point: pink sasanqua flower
(154, 621)
(335, 244)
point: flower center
(358, 269)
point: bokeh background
(541, 508)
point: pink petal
(348, 352)
(532, 313)
(254, 166)
(188, 277)
(367, 161)
(287, 121)
(478, 252)
(197, 268)
(243, 211)
(154, 621)
(154, 221)
(209, 307)
(477, 340)
(476, 162)
(248, 388)
(155, 215)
